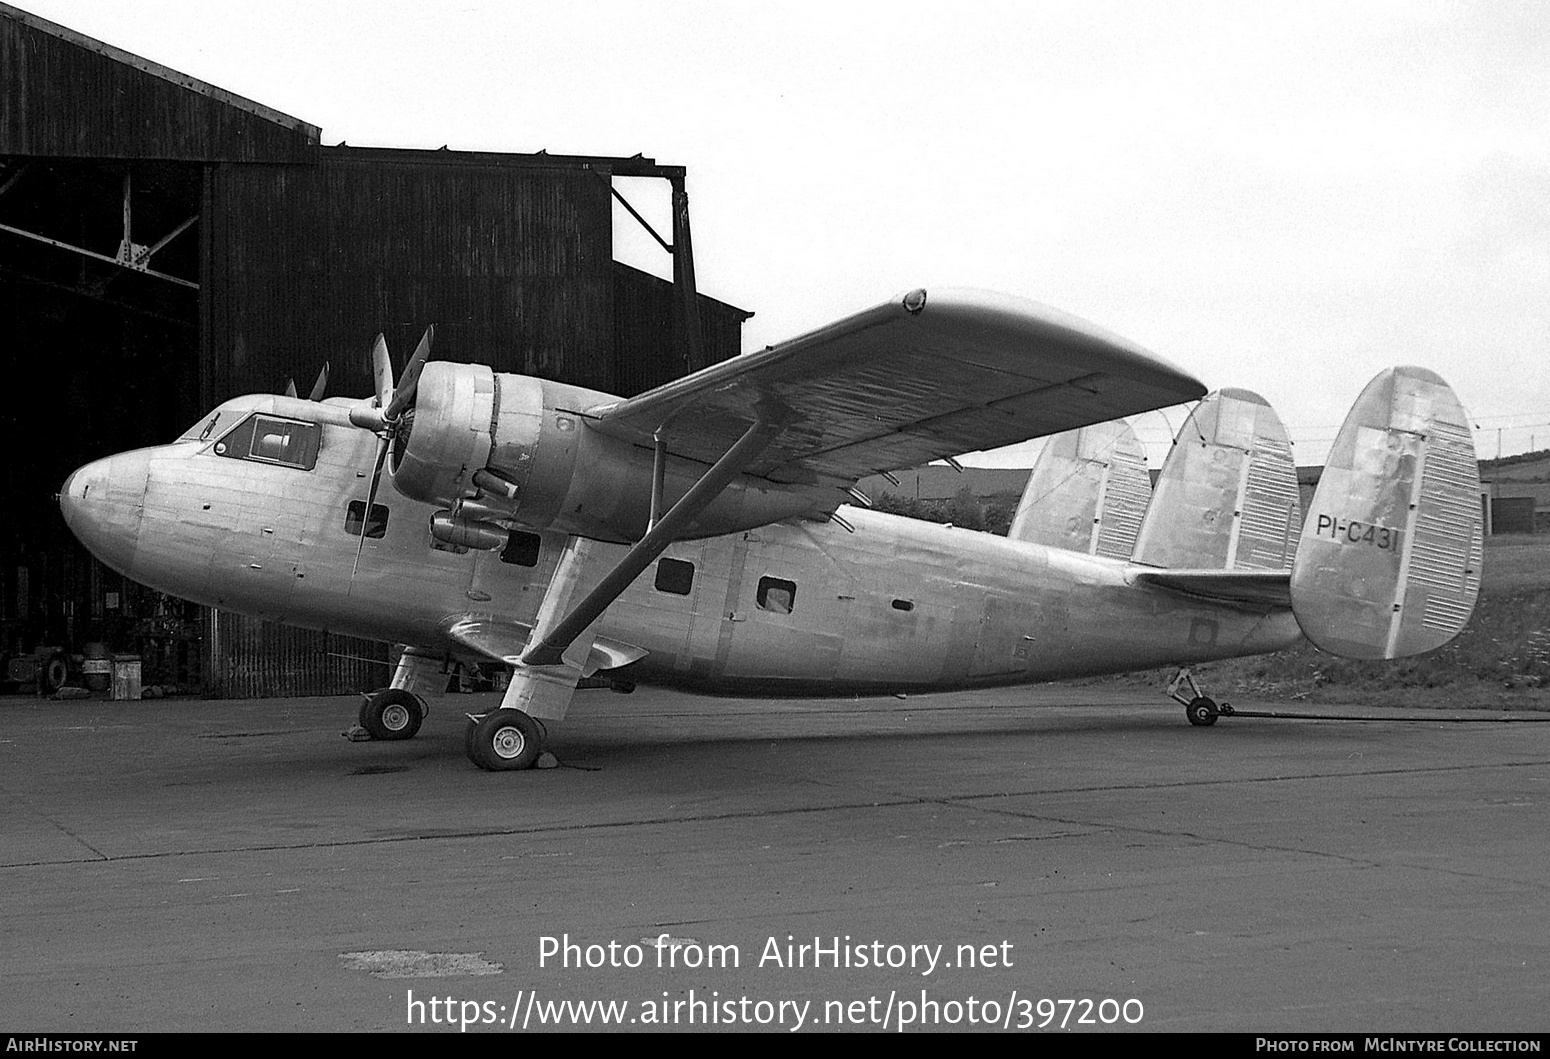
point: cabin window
(270, 439)
(675, 576)
(522, 549)
(903, 604)
(376, 525)
(776, 595)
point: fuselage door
(1007, 636)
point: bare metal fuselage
(898, 604)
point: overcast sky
(1283, 197)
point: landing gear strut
(396, 711)
(513, 736)
(1201, 710)
(504, 740)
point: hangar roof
(63, 93)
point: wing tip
(1041, 321)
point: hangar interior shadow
(102, 358)
(166, 245)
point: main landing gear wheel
(392, 713)
(1202, 711)
(54, 675)
(504, 740)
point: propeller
(317, 387)
(385, 415)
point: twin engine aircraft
(525, 514)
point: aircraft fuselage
(803, 608)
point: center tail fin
(1227, 495)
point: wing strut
(549, 645)
(658, 478)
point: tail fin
(1087, 492)
(1227, 496)
(1390, 558)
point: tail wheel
(505, 740)
(392, 714)
(1202, 711)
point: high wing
(916, 379)
(898, 385)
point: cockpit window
(271, 439)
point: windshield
(266, 438)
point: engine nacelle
(445, 436)
(497, 448)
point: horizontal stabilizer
(1390, 558)
(1255, 588)
(1087, 492)
(1227, 496)
(504, 641)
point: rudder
(1390, 556)
(1087, 492)
(1227, 496)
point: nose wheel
(392, 714)
(504, 740)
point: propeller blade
(371, 499)
(382, 371)
(404, 394)
(319, 386)
(290, 387)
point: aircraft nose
(80, 485)
(101, 503)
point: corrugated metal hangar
(165, 245)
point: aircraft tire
(392, 714)
(55, 674)
(1202, 711)
(505, 740)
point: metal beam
(634, 213)
(14, 178)
(130, 255)
(98, 257)
(144, 258)
(686, 313)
